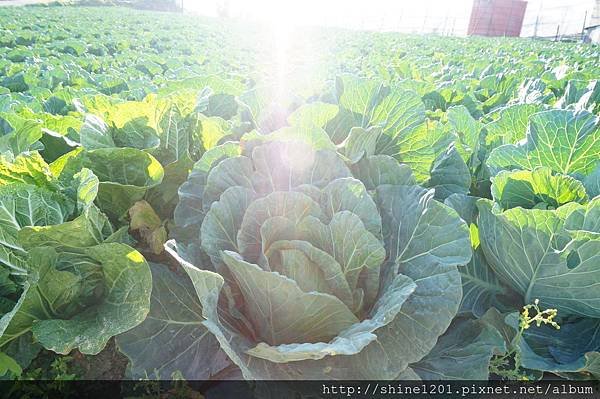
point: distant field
(21, 2)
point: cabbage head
(304, 267)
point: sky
(446, 17)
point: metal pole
(583, 27)
(444, 32)
(400, 27)
(538, 17)
(557, 31)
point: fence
(543, 18)
(557, 19)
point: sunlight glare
(381, 15)
(281, 29)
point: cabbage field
(182, 197)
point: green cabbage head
(307, 268)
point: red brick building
(497, 17)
